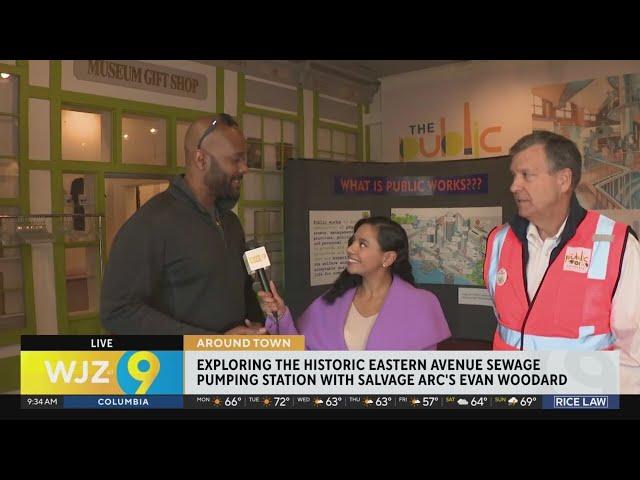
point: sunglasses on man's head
(223, 118)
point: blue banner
(574, 402)
(123, 401)
(412, 186)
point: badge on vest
(501, 277)
(577, 259)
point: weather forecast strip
(324, 402)
(402, 402)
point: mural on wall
(602, 116)
(447, 245)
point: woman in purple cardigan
(373, 305)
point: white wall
(39, 129)
(231, 93)
(39, 73)
(498, 94)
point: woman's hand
(272, 302)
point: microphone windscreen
(256, 259)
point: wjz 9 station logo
(105, 372)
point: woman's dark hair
(391, 237)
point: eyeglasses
(223, 118)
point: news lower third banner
(223, 371)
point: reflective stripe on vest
(498, 241)
(601, 245)
(586, 341)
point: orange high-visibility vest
(572, 306)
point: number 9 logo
(137, 373)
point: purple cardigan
(410, 319)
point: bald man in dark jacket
(176, 265)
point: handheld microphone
(256, 260)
